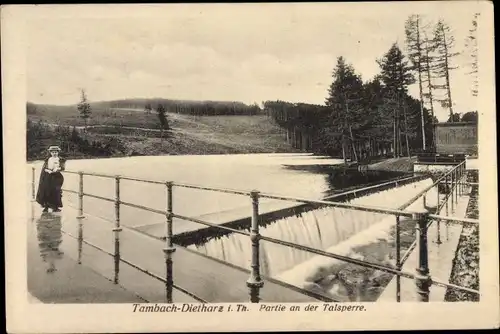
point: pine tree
(444, 43)
(396, 76)
(148, 108)
(379, 113)
(470, 116)
(344, 100)
(162, 117)
(414, 44)
(472, 50)
(427, 61)
(84, 108)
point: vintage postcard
(250, 167)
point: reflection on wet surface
(339, 179)
(49, 236)
(55, 271)
(64, 268)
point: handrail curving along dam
(453, 181)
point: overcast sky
(249, 53)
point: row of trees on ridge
(362, 118)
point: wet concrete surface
(54, 276)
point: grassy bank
(125, 132)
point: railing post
(80, 216)
(398, 259)
(117, 229)
(450, 195)
(437, 199)
(464, 171)
(255, 282)
(80, 196)
(460, 178)
(456, 186)
(33, 196)
(80, 240)
(446, 197)
(438, 241)
(169, 246)
(422, 280)
(464, 176)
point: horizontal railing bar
(341, 205)
(194, 220)
(443, 202)
(469, 183)
(288, 198)
(457, 287)
(410, 249)
(340, 257)
(99, 197)
(142, 180)
(406, 255)
(70, 172)
(414, 244)
(222, 190)
(417, 196)
(455, 220)
(371, 187)
(97, 174)
(142, 207)
(145, 271)
(70, 191)
(459, 182)
(89, 243)
(233, 191)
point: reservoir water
(284, 174)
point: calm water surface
(299, 175)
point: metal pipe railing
(33, 195)
(169, 246)
(422, 219)
(254, 282)
(80, 196)
(398, 258)
(375, 186)
(117, 229)
(141, 269)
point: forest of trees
(194, 108)
(360, 119)
(379, 117)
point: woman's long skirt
(50, 191)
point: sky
(234, 52)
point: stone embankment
(403, 164)
(466, 263)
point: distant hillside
(189, 107)
(129, 131)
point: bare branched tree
(444, 44)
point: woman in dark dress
(49, 193)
